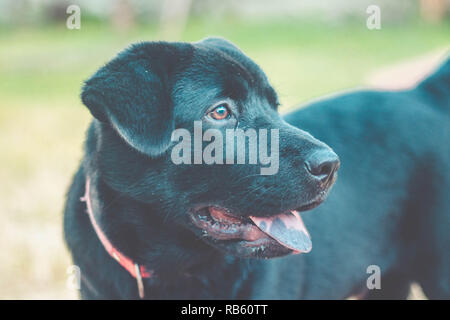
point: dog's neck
(136, 270)
(174, 263)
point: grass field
(42, 121)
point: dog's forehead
(230, 62)
(218, 73)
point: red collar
(136, 270)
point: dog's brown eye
(220, 112)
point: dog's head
(243, 198)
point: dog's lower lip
(222, 225)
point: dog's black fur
(389, 207)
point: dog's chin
(251, 236)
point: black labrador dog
(141, 225)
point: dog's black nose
(322, 164)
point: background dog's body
(389, 209)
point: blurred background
(307, 48)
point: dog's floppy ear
(132, 93)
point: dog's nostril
(322, 164)
(325, 168)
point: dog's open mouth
(285, 229)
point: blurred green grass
(303, 59)
(42, 121)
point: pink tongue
(288, 229)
